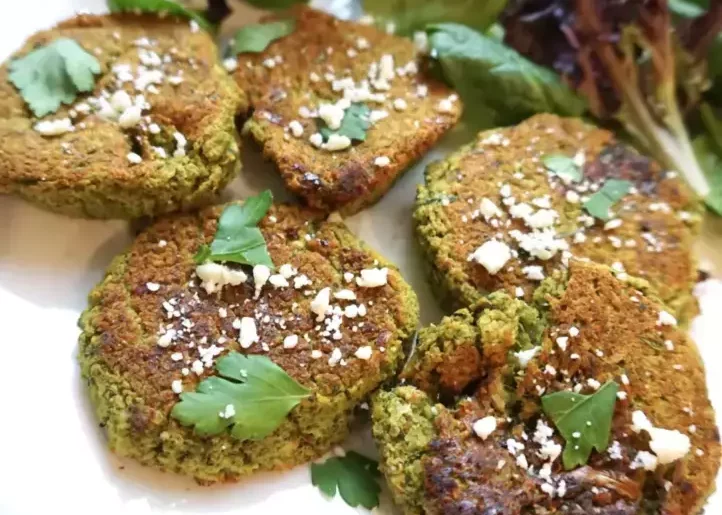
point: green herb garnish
(355, 477)
(257, 36)
(159, 7)
(54, 74)
(653, 342)
(609, 194)
(354, 125)
(584, 421)
(237, 238)
(563, 166)
(250, 393)
(275, 4)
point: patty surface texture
(152, 322)
(467, 433)
(156, 135)
(492, 216)
(303, 80)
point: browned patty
(87, 172)
(153, 287)
(435, 463)
(654, 241)
(348, 180)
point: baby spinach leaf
(487, 73)
(411, 15)
(584, 421)
(53, 74)
(257, 36)
(609, 194)
(237, 238)
(354, 125)
(159, 7)
(563, 166)
(354, 475)
(250, 393)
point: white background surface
(52, 456)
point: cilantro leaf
(53, 74)
(257, 36)
(260, 392)
(409, 15)
(354, 125)
(584, 421)
(512, 87)
(563, 166)
(237, 239)
(159, 7)
(354, 475)
(609, 194)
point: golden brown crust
(654, 240)
(87, 172)
(153, 287)
(348, 180)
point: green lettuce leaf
(411, 15)
(497, 84)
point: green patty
(87, 172)
(466, 368)
(129, 376)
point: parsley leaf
(355, 477)
(54, 74)
(260, 392)
(237, 239)
(563, 166)
(354, 125)
(584, 421)
(609, 194)
(160, 7)
(257, 36)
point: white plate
(52, 456)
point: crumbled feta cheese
(261, 274)
(289, 342)
(278, 281)
(296, 128)
(269, 63)
(666, 318)
(377, 115)
(525, 356)
(668, 445)
(177, 386)
(214, 276)
(562, 342)
(421, 40)
(332, 114)
(248, 334)
(320, 303)
(364, 352)
(316, 139)
(519, 292)
(645, 460)
(484, 427)
(166, 338)
(400, 104)
(301, 281)
(287, 271)
(373, 277)
(335, 357)
(488, 209)
(533, 273)
(54, 127)
(152, 286)
(134, 158)
(382, 161)
(230, 64)
(345, 295)
(542, 219)
(593, 383)
(492, 255)
(445, 106)
(336, 142)
(180, 149)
